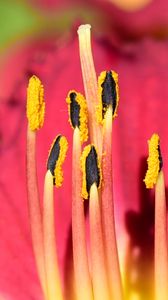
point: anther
(108, 93)
(56, 158)
(91, 170)
(78, 115)
(154, 161)
(35, 103)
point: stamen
(107, 208)
(161, 242)
(56, 158)
(99, 275)
(78, 115)
(154, 162)
(35, 103)
(90, 84)
(78, 119)
(50, 251)
(81, 268)
(108, 92)
(90, 165)
(91, 182)
(155, 176)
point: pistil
(90, 84)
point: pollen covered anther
(108, 92)
(154, 161)
(78, 114)
(56, 158)
(35, 103)
(91, 170)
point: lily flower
(139, 115)
(96, 271)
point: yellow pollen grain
(153, 162)
(83, 114)
(84, 155)
(35, 103)
(100, 107)
(58, 172)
